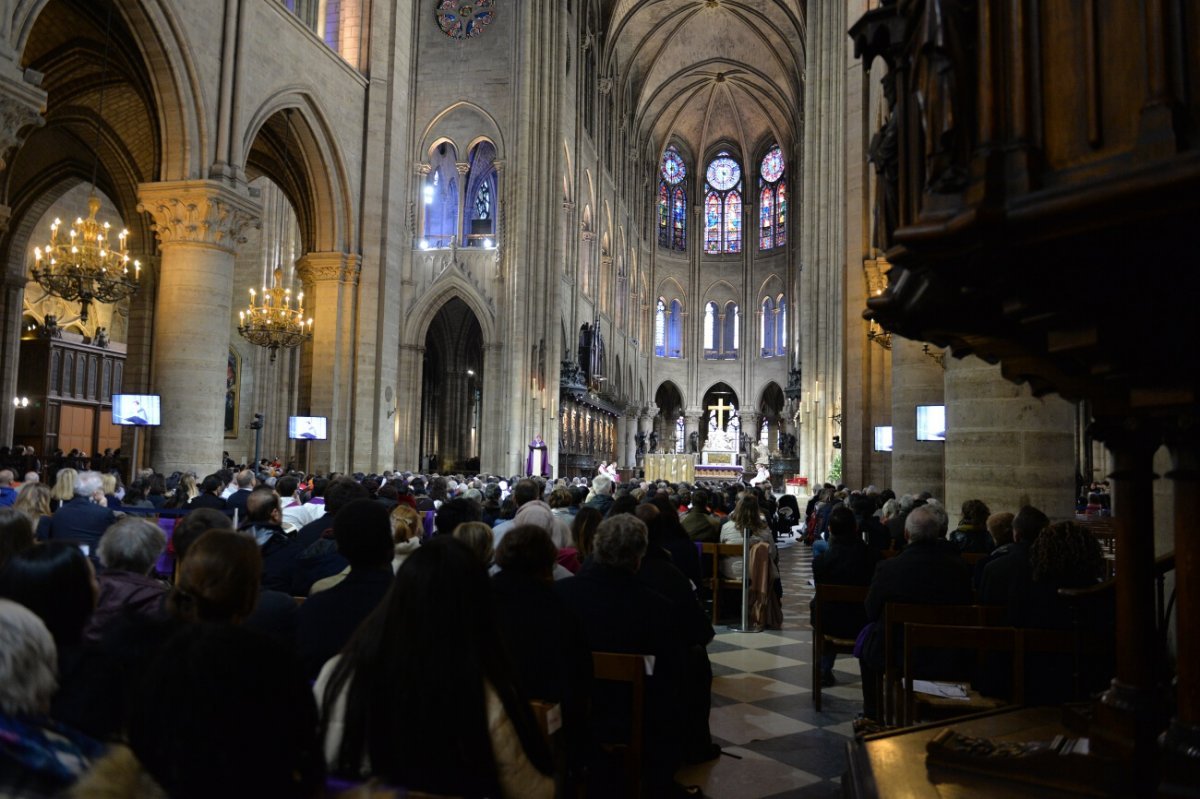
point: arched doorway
(721, 412)
(452, 390)
(669, 423)
(771, 423)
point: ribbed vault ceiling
(709, 71)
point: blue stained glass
(673, 169)
(772, 165)
(723, 172)
(766, 209)
(712, 223)
(680, 219)
(733, 222)
(664, 233)
(781, 214)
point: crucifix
(720, 409)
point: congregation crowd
(269, 633)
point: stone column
(12, 293)
(631, 429)
(330, 279)
(1005, 446)
(751, 423)
(199, 225)
(917, 379)
(691, 424)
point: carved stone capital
(326, 267)
(499, 164)
(605, 85)
(587, 235)
(198, 212)
(568, 206)
(463, 167)
(21, 109)
(422, 169)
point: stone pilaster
(631, 430)
(198, 225)
(691, 424)
(916, 380)
(1005, 446)
(330, 279)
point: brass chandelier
(271, 321)
(83, 266)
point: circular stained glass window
(723, 172)
(462, 19)
(772, 165)
(673, 169)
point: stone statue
(762, 455)
(640, 440)
(787, 445)
(884, 154)
(943, 83)
(693, 441)
(653, 441)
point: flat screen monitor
(931, 423)
(307, 428)
(883, 439)
(136, 409)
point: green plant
(835, 470)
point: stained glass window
(723, 205)
(781, 328)
(675, 330)
(483, 201)
(733, 222)
(664, 233)
(672, 201)
(660, 328)
(723, 172)
(680, 220)
(767, 338)
(766, 212)
(673, 169)
(772, 165)
(772, 228)
(712, 223)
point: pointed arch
(462, 121)
(445, 288)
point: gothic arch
(721, 292)
(447, 287)
(462, 121)
(771, 287)
(672, 385)
(671, 289)
(323, 202)
(177, 94)
(770, 394)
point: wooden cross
(720, 408)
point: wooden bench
(950, 637)
(630, 669)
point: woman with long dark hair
(471, 734)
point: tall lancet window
(672, 201)
(723, 205)
(772, 200)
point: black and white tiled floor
(762, 716)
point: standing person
(537, 463)
(380, 719)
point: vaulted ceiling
(704, 72)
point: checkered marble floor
(762, 716)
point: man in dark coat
(1013, 569)
(264, 522)
(930, 571)
(317, 556)
(848, 561)
(237, 500)
(82, 520)
(209, 496)
(327, 619)
(699, 522)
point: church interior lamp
(275, 320)
(83, 266)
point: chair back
(944, 636)
(629, 669)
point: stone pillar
(751, 422)
(12, 293)
(691, 424)
(1005, 446)
(631, 429)
(917, 379)
(199, 225)
(330, 279)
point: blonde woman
(34, 502)
(64, 488)
(406, 533)
(478, 536)
(745, 519)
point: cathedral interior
(931, 245)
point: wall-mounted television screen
(883, 439)
(307, 428)
(138, 409)
(931, 423)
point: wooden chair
(715, 580)
(981, 639)
(823, 643)
(631, 669)
(895, 613)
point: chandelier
(83, 266)
(271, 321)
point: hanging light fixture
(83, 266)
(272, 321)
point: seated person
(972, 533)
(848, 561)
(128, 552)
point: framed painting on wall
(233, 384)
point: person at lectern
(536, 463)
